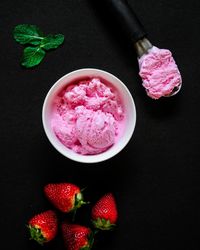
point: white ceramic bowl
(127, 101)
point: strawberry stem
(95, 231)
(74, 214)
(83, 189)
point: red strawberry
(43, 227)
(104, 212)
(64, 196)
(77, 237)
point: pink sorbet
(88, 117)
(159, 72)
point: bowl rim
(87, 158)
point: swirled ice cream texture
(88, 117)
(159, 72)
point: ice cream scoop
(158, 70)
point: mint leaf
(31, 34)
(52, 41)
(32, 56)
(28, 34)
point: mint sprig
(26, 34)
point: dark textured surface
(156, 178)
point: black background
(156, 178)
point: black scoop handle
(126, 18)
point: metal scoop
(130, 24)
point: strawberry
(66, 197)
(104, 213)
(77, 237)
(43, 226)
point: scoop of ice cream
(159, 72)
(95, 130)
(64, 129)
(86, 116)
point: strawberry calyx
(78, 203)
(85, 248)
(103, 224)
(36, 234)
(90, 242)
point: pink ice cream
(159, 72)
(88, 117)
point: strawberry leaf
(28, 34)
(32, 56)
(52, 41)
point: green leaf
(32, 56)
(52, 41)
(28, 34)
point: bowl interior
(126, 99)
